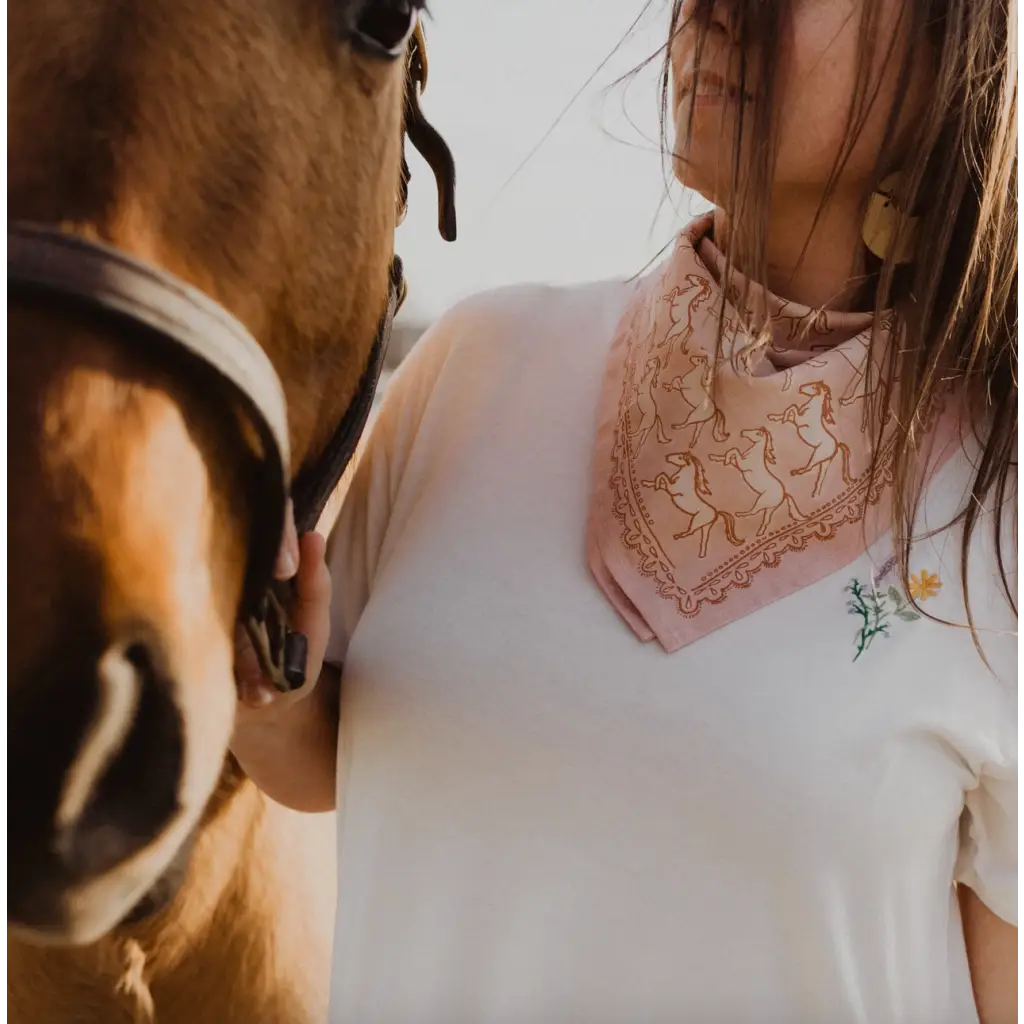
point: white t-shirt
(543, 820)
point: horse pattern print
(728, 476)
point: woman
(677, 616)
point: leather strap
(48, 261)
(314, 485)
(280, 650)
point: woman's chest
(835, 718)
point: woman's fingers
(312, 604)
(308, 613)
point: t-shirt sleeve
(987, 861)
(360, 532)
(991, 837)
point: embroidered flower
(924, 585)
(876, 608)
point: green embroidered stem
(870, 609)
(878, 609)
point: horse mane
(700, 481)
(827, 412)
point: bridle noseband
(43, 260)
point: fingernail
(288, 564)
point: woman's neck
(826, 269)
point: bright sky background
(589, 204)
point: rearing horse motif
(695, 387)
(753, 464)
(650, 418)
(681, 313)
(803, 324)
(689, 491)
(860, 389)
(812, 420)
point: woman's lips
(707, 88)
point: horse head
(761, 436)
(253, 150)
(819, 389)
(700, 284)
(687, 460)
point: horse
(813, 420)
(682, 313)
(689, 491)
(650, 418)
(754, 464)
(695, 387)
(242, 163)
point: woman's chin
(694, 177)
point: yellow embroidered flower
(924, 584)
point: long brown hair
(956, 307)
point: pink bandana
(707, 507)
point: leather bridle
(200, 333)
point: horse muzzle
(97, 818)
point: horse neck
(686, 476)
(814, 407)
(756, 455)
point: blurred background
(590, 202)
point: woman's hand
(301, 559)
(287, 742)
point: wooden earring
(882, 221)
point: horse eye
(381, 28)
